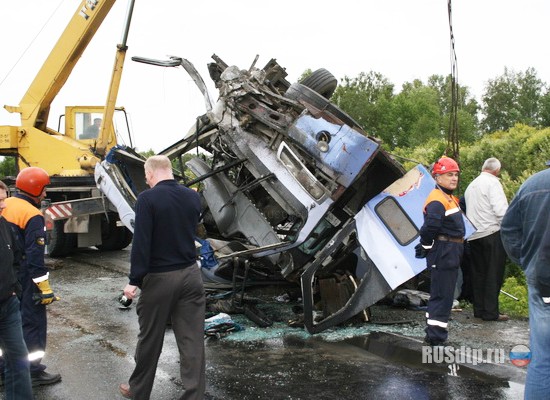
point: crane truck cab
(78, 215)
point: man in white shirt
(486, 205)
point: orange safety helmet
(32, 180)
(444, 165)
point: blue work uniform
(28, 223)
(444, 229)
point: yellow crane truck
(78, 215)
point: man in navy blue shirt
(23, 213)
(164, 268)
(16, 376)
(442, 244)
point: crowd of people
(520, 231)
(163, 269)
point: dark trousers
(35, 323)
(17, 379)
(443, 261)
(177, 296)
(488, 260)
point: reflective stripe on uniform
(434, 322)
(36, 355)
(41, 278)
(452, 211)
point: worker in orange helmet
(23, 213)
(442, 244)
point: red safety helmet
(444, 165)
(32, 180)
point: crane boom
(35, 104)
(70, 156)
(78, 148)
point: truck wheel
(125, 239)
(305, 94)
(113, 237)
(60, 244)
(321, 81)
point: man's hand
(46, 295)
(421, 251)
(130, 291)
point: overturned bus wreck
(292, 189)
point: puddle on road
(408, 352)
(382, 358)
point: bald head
(157, 168)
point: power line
(30, 44)
(452, 136)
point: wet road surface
(91, 343)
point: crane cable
(452, 136)
(31, 43)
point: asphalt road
(91, 343)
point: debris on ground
(220, 325)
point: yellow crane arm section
(106, 125)
(35, 104)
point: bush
(507, 305)
(511, 269)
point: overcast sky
(401, 39)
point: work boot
(43, 378)
(432, 342)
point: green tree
(148, 153)
(305, 74)
(7, 167)
(468, 107)
(513, 98)
(425, 153)
(420, 112)
(368, 100)
(522, 150)
(545, 109)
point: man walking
(164, 266)
(486, 205)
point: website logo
(461, 355)
(520, 355)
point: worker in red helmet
(23, 213)
(442, 244)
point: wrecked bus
(292, 189)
